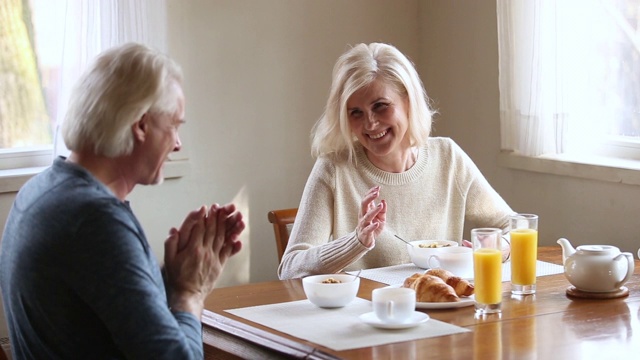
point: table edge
(263, 338)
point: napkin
(337, 329)
(392, 275)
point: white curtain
(564, 73)
(91, 26)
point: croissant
(461, 286)
(408, 281)
(430, 288)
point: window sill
(601, 168)
(11, 180)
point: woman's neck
(395, 163)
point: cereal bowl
(326, 294)
(421, 250)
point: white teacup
(394, 305)
(458, 260)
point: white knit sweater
(431, 200)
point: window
(50, 43)
(570, 77)
(25, 118)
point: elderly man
(79, 279)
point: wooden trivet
(573, 292)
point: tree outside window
(24, 119)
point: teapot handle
(630, 267)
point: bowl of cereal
(421, 250)
(331, 290)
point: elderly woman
(378, 173)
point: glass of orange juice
(524, 253)
(487, 269)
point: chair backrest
(5, 348)
(282, 221)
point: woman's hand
(372, 217)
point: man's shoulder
(61, 196)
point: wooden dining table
(547, 325)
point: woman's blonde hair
(355, 69)
(122, 84)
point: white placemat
(396, 274)
(338, 329)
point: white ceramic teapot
(596, 268)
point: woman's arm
(311, 248)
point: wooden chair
(282, 221)
(5, 348)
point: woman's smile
(378, 136)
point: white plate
(464, 301)
(416, 319)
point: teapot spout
(567, 249)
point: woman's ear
(139, 128)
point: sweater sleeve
(115, 273)
(311, 250)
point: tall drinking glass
(524, 253)
(487, 269)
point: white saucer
(416, 319)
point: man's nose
(178, 144)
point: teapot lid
(597, 249)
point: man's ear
(140, 127)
